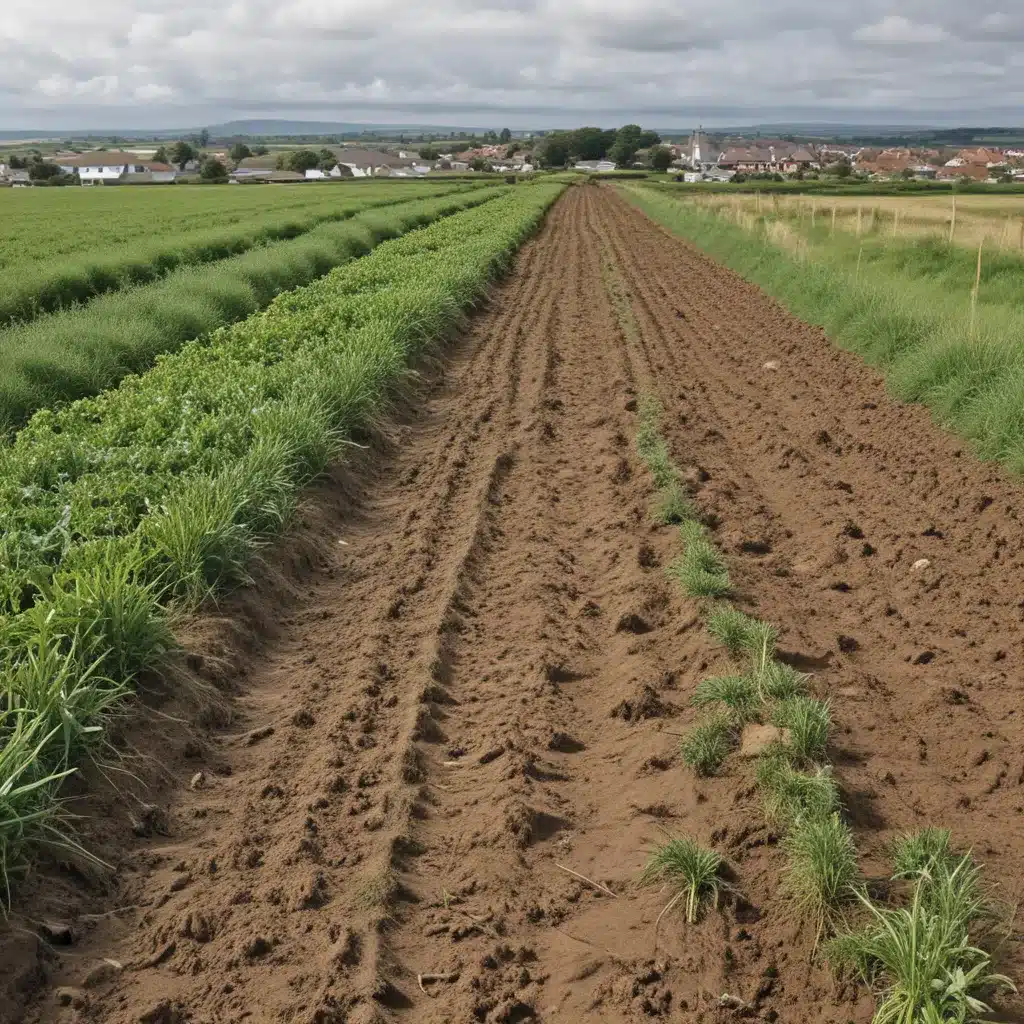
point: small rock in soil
(921, 563)
(755, 739)
(57, 933)
(102, 973)
(198, 781)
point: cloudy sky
(516, 63)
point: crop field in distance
(547, 601)
(995, 221)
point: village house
(594, 166)
(108, 168)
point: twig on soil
(430, 978)
(589, 881)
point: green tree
(43, 170)
(591, 143)
(505, 136)
(429, 153)
(302, 160)
(660, 158)
(841, 168)
(239, 152)
(555, 150)
(907, 173)
(213, 170)
(181, 153)
(161, 157)
(627, 142)
(259, 151)
(203, 138)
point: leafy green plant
(809, 722)
(822, 865)
(920, 958)
(158, 491)
(707, 745)
(690, 869)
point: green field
(157, 492)
(62, 246)
(80, 351)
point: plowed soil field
(473, 693)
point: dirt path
(483, 691)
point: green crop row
(29, 287)
(85, 350)
(156, 493)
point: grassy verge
(905, 307)
(82, 351)
(919, 952)
(155, 494)
(28, 289)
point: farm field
(63, 246)
(996, 221)
(449, 720)
(81, 351)
(944, 322)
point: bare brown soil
(480, 688)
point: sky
(65, 64)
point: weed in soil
(708, 745)
(779, 681)
(688, 868)
(741, 634)
(700, 569)
(822, 865)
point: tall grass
(905, 307)
(82, 351)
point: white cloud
(896, 29)
(174, 63)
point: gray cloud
(163, 63)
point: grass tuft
(688, 868)
(707, 745)
(778, 681)
(742, 634)
(673, 505)
(809, 722)
(914, 853)
(791, 795)
(700, 569)
(737, 693)
(822, 865)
